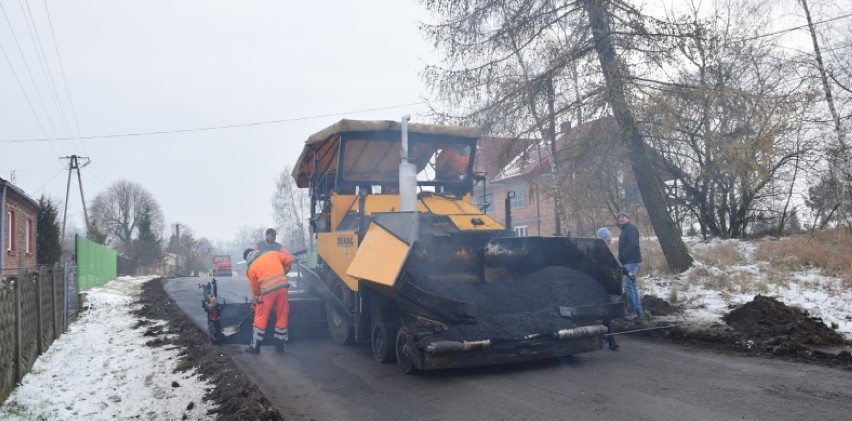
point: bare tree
(600, 13)
(193, 249)
(118, 210)
(512, 68)
(731, 121)
(291, 211)
(839, 177)
(246, 236)
(594, 179)
(518, 67)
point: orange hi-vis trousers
(274, 301)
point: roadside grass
(756, 267)
(722, 255)
(830, 251)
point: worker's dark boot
(254, 347)
(610, 329)
(282, 337)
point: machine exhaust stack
(407, 173)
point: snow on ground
(705, 303)
(102, 369)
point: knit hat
(624, 213)
(271, 231)
(249, 255)
(603, 233)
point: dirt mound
(237, 397)
(768, 321)
(768, 327)
(656, 306)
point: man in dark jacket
(630, 258)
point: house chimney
(565, 127)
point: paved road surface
(317, 379)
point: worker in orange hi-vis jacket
(267, 275)
(451, 163)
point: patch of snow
(822, 296)
(101, 369)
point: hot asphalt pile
(511, 310)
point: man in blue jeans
(630, 258)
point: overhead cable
(229, 126)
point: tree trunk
(839, 161)
(554, 167)
(669, 235)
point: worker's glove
(256, 300)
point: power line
(229, 126)
(35, 37)
(24, 92)
(61, 68)
(51, 179)
(784, 31)
(29, 72)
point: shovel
(232, 330)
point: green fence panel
(96, 264)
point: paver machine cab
(409, 265)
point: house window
(482, 201)
(520, 199)
(10, 231)
(29, 237)
(521, 231)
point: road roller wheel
(341, 330)
(405, 351)
(382, 338)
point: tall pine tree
(48, 246)
(146, 247)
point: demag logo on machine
(345, 240)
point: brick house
(18, 231)
(597, 183)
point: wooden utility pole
(74, 164)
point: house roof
(15, 190)
(505, 159)
(493, 153)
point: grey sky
(146, 66)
